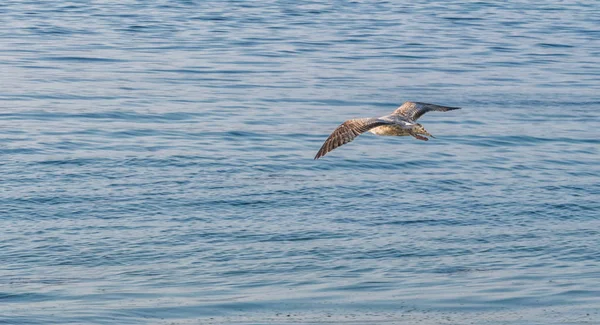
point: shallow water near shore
(157, 163)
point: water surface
(156, 163)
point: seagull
(400, 123)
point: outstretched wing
(347, 131)
(414, 110)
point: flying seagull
(401, 122)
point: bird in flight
(400, 123)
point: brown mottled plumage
(347, 131)
(400, 123)
(414, 110)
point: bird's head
(419, 129)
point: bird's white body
(401, 127)
(395, 130)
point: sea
(156, 163)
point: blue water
(156, 163)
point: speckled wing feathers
(414, 110)
(347, 131)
